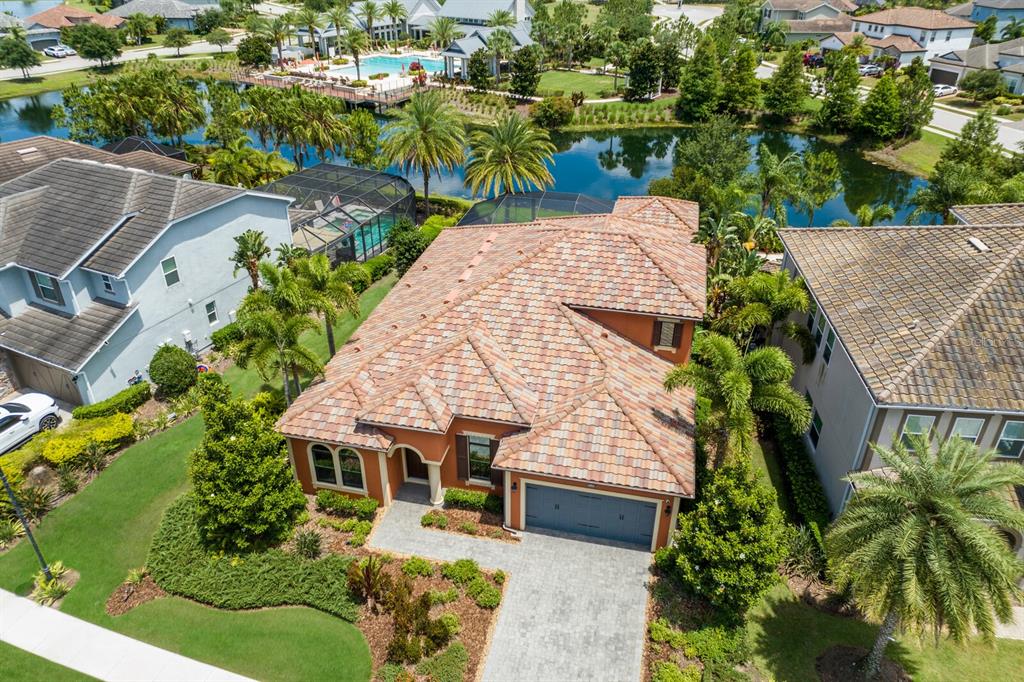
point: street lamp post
(24, 523)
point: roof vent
(978, 244)
(28, 150)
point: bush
(404, 648)
(552, 112)
(802, 482)
(499, 577)
(227, 335)
(356, 275)
(124, 401)
(461, 572)
(473, 500)
(307, 544)
(173, 370)
(717, 644)
(451, 207)
(667, 671)
(11, 530)
(661, 632)
(433, 225)
(418, 566)
(378, 76)
(448, 666)
(331, 502)
(443, 596)
(468, 527)
(451, 623)
(103, 435)
(486, 595)
(358, 84)
(380, 266)
(180, 564)
(360, 531)
(434, 519)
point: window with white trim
(108, 284)
(916, 425)
(323, 465)
(170, 269)
(478, 449)
(339, 469)
(1011, 440)
(830, 342)
(48, 288)
(968, 428)
(351, 469)
(816, 424)
(211, 312)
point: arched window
(323, 465)
(351, 470)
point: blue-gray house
(1003, 10)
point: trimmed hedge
(173, 370)
(181, 565)
(356, 275)
(802, 480)
(448, 206)
(380, 266)
(473, 500)
(364, 508)
(225, 336)
(108, 433)
(122, 402)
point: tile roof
(505, 338)
(990, 214)
(134, 143)
(917, 17)
(60, 339)
(836, 24)
(21, 156)
(927, 316)
(65, 15)
(901, 43)
(168, 9)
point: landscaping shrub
(461, 572)
(468, 527)
(552, 112)
(717, 644)
(452, 207)
(448, 666)
(473, 500)
(391, 672)
(443, 596)
(180, 564)
(103, 435)
(356, 275)
(380, 266)
(434, 519)
(486, 595)
(173, 370)
(225, 336)
(11, 530)
(661, 632)
(433, 225)
(418, 566)
(360, 531)
(802, 482)
(331, 502)
(34, 501)
(451, 622)
(367, 580)
(307, 543)
(667, 671)
(124, 401)
(499, 577)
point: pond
(602, 164)
(26, 8)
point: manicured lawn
(766, 463)
(35, 85)
(21, 666)
(922, 155)
(786, 637)
(571, 81)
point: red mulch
(127, 596)
(488, 524)
(843, 663)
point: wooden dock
(356, 97)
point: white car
(24, 417)
(870, 70)
(944, 90)
(59, 51)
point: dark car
(814, 60)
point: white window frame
(978, 420)
(469, 460)
(926, 433)
(108, 284)
(51, 283)
(830, 343)
(1002, 434)
(174, 271)
(216, 317)
(336, 460)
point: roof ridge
(581, 397)
(656, 450)
(650, 255)
(483, 354)
(424, 383)
(957, 315)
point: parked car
(24, 417)
(814, 60)
(817, 88)
(945, 90)
(59, 51)
(870, 70)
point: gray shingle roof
(134, 143)
(101, 216)
(927, 317)
(21, 156)
(168, 9)
(60, 339)
(478, 9)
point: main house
(175, 13)
(43, 28)
(917, 332)
(914, 30)
(808, 19)
(524, 360)
(102, 264)
(1007, 58)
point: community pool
(394, 66)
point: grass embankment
(590, 85)
(106, 529)
(918, 157)
(37, 85)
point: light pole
(24, 523)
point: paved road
(95, 651)
(697, 14)
(78, 63)
(573, 610)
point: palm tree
(500, 43)
(868, 215)
(757, 304)
(512, 155)
(355, 43)
(718, 236)
(958, 183)
(396, 12)
(138, 26)
(738, 386)
(773, 34)
(501, 18)
(326, 292)
(444, 31)
(427, 136)
(230, 165)
(310, 20)
(859, 46)
(370, 11)
(341, 20)
(277, 30)
(289, 255)
(1014, 29)
(776, 178)
(919, 542)
(272, 342)
(250, 248)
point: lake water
(26, 9)
(601, 164)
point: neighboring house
(1007, 58)
(456, 56)
(8, 22)
(917, 331)
(808, 19)
(930, 30)
(135, 143)
(527, 361)
(177, 13)
(902, 49)
(102, 264)
(21, 156)
(1003, 10)
(43, 29)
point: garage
(38, 376)
(943, 77)
(590, 513)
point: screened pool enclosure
(343, 211)
(524, 207)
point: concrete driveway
(573, 609)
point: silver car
(24, 417)
(945, 90)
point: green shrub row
(418, 566)
(447, 666)
(380, 266)
(331, 502)
(474, 500)
(802, 480)
(486, 595)
(225, 336)
(181, 565)
(105, 434)
(124, 401)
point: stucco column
(434, 478)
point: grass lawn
(21, 666)
(766, 464)
(571, 81)
(35, 85)
(921, 155)
(787, 636)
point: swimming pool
(394, 66)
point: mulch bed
(332, 539)
(843, 663)
(681, 610)
(821, 596)
(127, 596)
(488, 524)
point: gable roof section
(916, 17)
(62, 340)
(490, 323)
(926, 316)
(65, 15)
(21, 156)
(990, 214)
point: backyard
(573, 81)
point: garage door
(47, 379)
(943, 77)
(589, 513)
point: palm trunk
(287, 385)
(873, 662)
(254, 275)
(298, 384)
(330, 336)
(426, 189)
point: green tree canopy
(917, 94)
(788, 87)
(644, 72)
(741, 90)
(880, 115)
(479, 70)
(526, 66)
(177, 38)
(254, 52)
(511, 155)
(93, 41)
(15, 53)
(841, 100)
(700, 84)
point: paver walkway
(95, 651)
(573, 609)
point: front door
(414, 467)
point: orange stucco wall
(371, 470)
(518, 480)
(640, 329)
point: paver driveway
(573, 610)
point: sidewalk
(93, 650)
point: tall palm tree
(511, 155)
(959, 183)
(250, 248)
(138, 26)
(757, 304)
(501, 18)
(289, 255)
(920, 543)
(231, 164)
(272, 341)
(396, 12)
(868, 215)
(1014, 28)
(323, 126)
(718, 236)
(776, 178)
(859, 46)
(500, 43)
(444, 31)
(427, 136)
(738, 386)
(311, 20)
(326, 292)
(370, 12)
(258, 116)
(341, 21)
(356, 43)
(773, 34)
(277, 30)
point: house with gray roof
(1004, 11)
(456, 56)
(101, 264)
(177, 13)
(1006, 57)
(916, 332)
(21, 156)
